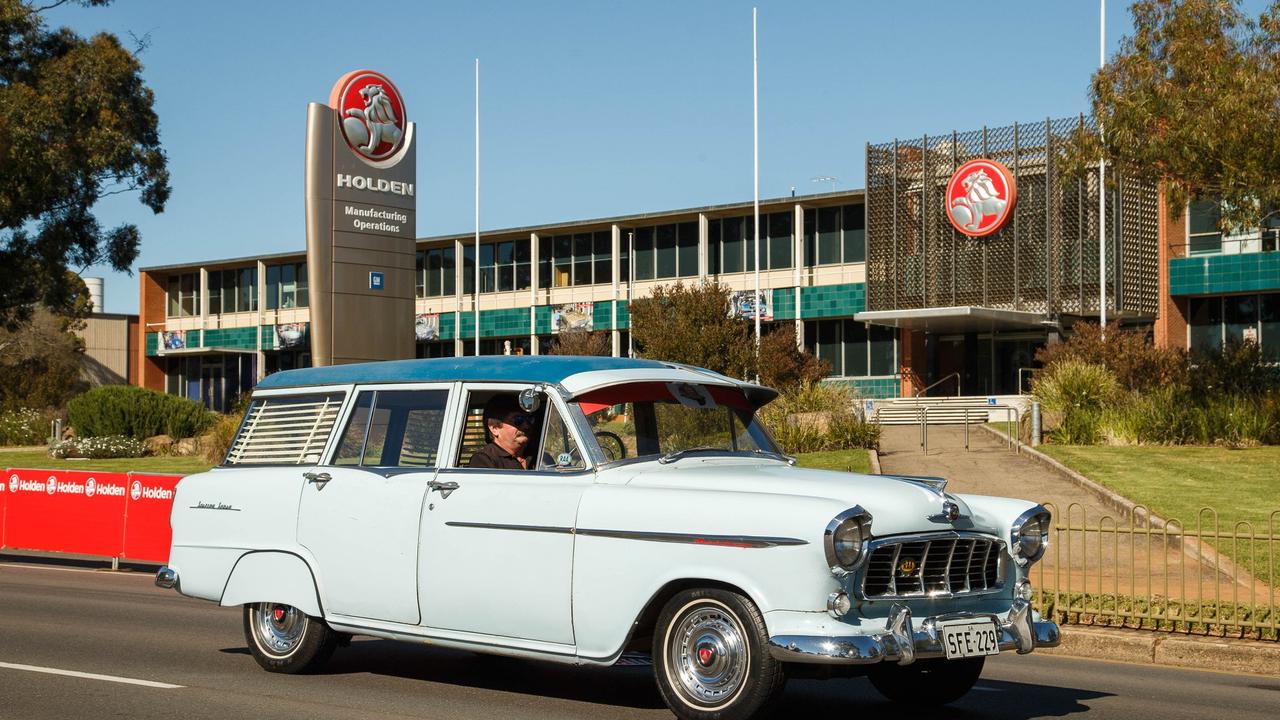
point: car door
(500, 554)
(361, 514)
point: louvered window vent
(285, 430)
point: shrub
(24, 427)
(1072, 385)
(107, 446)
(135, 412)
(818, 416)
(222, 433)
(1082, 427)
(1237, 369)
(1129, 354)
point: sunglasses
(519, 420)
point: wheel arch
(273, 576)
(641, 634)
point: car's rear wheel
(711, 657)
(284, 639)
(926, 683)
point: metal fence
(1145, 572)
(1045, 259)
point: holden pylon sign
(980, 197)
(361, 177)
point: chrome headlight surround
(1029, 536)
(845, 540)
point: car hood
(897, 504)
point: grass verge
(39, 459)
(844, 460)
(1177, 482)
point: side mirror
(530, 399)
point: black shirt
(493, 456)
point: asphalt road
(120, 626)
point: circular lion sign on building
(980, 197)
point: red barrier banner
(146, 517)
(4, 502)
(68, 511)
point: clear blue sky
(587, 109)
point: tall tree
(76, 124)
(1191, 100)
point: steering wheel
(615, 449)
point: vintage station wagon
(612, 505)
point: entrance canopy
(958, 319)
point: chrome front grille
(946, 564)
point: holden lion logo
(980, 197)
(135, 491)
(90, 487)
(51, 485)
(372, 114)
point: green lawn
(1176, 482)
(29, 458)
(836, 460)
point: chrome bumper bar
(903, 643)
(167, 578)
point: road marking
(90, 676)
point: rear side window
(285, 430)
(394, 428)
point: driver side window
(559, 450)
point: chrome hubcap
(707, 656)
(279, 628)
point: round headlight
(1030, 534)
(846, 537)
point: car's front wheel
(927, 683)
(284, 639)
(711, 657)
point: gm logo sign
(375, 281)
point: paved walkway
(1090, 557)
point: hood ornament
(950, 513)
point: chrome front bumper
(167, 578)
(903, 643)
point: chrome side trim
(745, 541)
(505, 526)
(902, 643)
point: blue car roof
(485, 368)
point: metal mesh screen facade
(1045, 259)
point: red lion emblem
(980, 197)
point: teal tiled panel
(466, 326)
(826, 301)
(784, 304)
(624, 315)
(1215, 274)
(874, 388)
(542, 321)
(242, 338)
(602, 315)
(503, 323)
(447, 330)
(153, 344)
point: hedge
(136, 412)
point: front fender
(273, 577)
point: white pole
(755, 136)
(475, 304)
(631, 279)
(1102, 185)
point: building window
(504, 267)
(835, 235)
(1204, 235)
(853, 349)
(435, 272)
(286, 286)
(732, 240)
(237, 290)
(184, 295)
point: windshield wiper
(675, 455)
(781, 456)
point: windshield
(668, 420)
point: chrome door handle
(444, 488)
(318, 478)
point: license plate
(970, 638)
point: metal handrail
(1012, 419)
(955, 375)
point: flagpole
(755, 140)
(475, 304)
(1102, 185)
